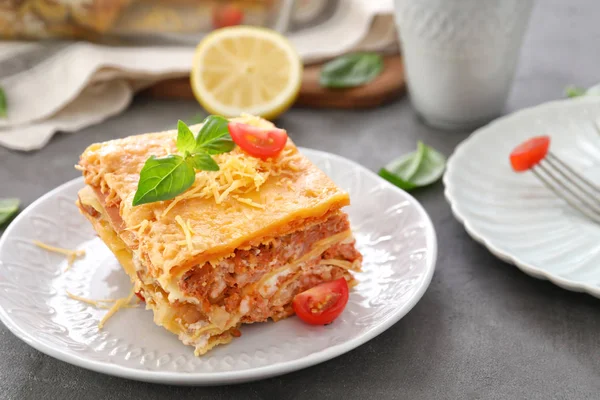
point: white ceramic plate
(393, 232)
(514, 215)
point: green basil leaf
(204, 162)
(8, 207)
(573, 91)
(3, 106)
(431, 168)
(390, 177)
(351, 70)
(214, 137)
(401, 170)
(185, 138)
(163, 179)
(419, 168)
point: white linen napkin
(66, 86)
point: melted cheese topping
(238, 175)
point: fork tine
(579, 181)
(577, 200)
(576, 205)
(568, 185)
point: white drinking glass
(460, 56)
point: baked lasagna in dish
(235, 248)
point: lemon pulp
(245, 69)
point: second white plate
(393, 232)
(514, 215)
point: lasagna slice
(235, 248)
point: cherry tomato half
(529, 153)
(323, 303)
(258, 142)
(227, 15)
(140, 296)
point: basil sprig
(163, 178)
(351, 70)
(8, 207)
(574, 91)
(419, 168)
(3, 106)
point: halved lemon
(244, 69)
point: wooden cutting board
(386, 87)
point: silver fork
(569, 185)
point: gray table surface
(483, 330)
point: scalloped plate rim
(232, 377)
(479, 237)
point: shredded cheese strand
(95, 303)
(186, 232)
(238, 174)
(120, 303)
(136, 227)
(177, 199)
(249, 202)
(71, 254)
(98, 303)
(70, 261)
(230, 189)
(189, 225)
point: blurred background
(153, 21)
(69, 64)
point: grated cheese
(246, 213)
(238, 174)
(71, 254)
(223, 196)
(138, 227)
(95, 303)
(249, 202)
(70, 261)
(186, 231)
(102, 303)
(189, 225)
(120, 303)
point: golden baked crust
(294, 193)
